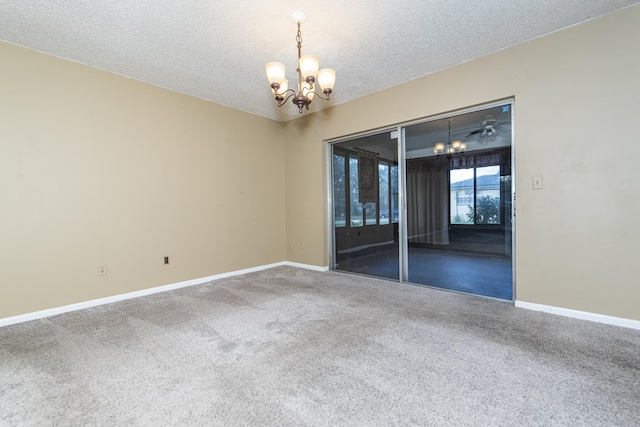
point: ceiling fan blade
(475, 132)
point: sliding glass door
(459, 202)
(365, 205)
(455, 184)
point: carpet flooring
(290, 347)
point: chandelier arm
(283, 101)
(281, 94)
(324, 95)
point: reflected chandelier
(308, 75)
(451, 147)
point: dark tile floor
(480, 274)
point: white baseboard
(583, 315)
(136, 294)
(600, 318)
(306, 266)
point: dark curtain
(428, 201)
(367, 178)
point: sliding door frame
(331, 229)
(403, 244)
(399, 129)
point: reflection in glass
(457, 204)
(383, 172)
(394, 194)
(462, 201)
(367, 241)
(487, 209)
(475, 195)
(339, 191)
(356, 206)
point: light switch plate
(537, 183)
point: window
(394, 193)
(339, 191)
(347, 208)
(475, 195)
(355, 205)
(383, 173)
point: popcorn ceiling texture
(217, 50)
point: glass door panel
(458, 197)
(365, 198)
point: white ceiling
(216, 50)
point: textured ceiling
(216, 50)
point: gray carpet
(290, 347)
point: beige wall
(577, 95)
(96, 168)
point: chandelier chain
(299, 40)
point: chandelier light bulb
(327, 78)
(275, 72)
(309, 65)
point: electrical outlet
(102, 269)
(166, 260)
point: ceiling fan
(490, 128)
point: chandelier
(451, 147)
(308, 75)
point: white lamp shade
(439, 147)
(327, 78)
(309, 65)
(275, 72)
(304, 88)
(456, 145)
(283, 87)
